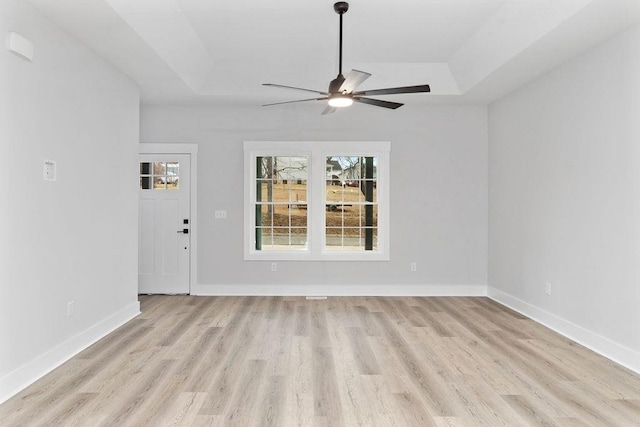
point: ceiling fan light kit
(341, 89)
(339, 100)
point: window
(159, 175)
(316, 200)
(351, 204)
(281, 202)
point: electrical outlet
(274, 266)
(547, 289)
(70, 308)
(413, 266)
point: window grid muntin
(159, 175)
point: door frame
(192, 151)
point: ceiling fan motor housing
(341, 7)
(334, 86)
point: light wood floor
(343, 361)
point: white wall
(438, 195)
(564, 199)
(74, 239)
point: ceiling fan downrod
(341, 8)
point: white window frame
(317, 152)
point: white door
(164, 224)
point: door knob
(184, 231)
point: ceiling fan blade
(395, 90)
(329, 110)
(298, 100)
(295, 88)
(378, 102)
(353, 80)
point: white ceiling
(220, 51)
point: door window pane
(158, 183)
(145, 182)
(172, 175)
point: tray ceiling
(219, 52)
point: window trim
(317, 152)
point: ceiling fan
(341, 89)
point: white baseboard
(20, 378)
(611, 350)
(339, 290)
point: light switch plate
(49, 170)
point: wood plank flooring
(344, 361)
